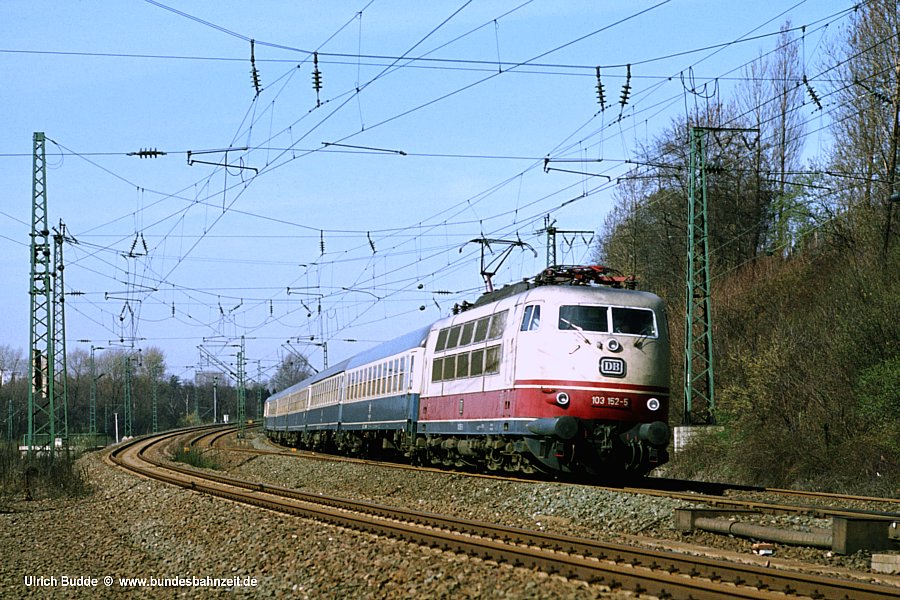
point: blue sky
(346, 216)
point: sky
(295, 217)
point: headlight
(562, 399)
(614, 345)
(653, 404)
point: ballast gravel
(138, 538)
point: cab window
(634, 321)
(585, 318)
(531, 320)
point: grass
(194, 457)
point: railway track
(664, 574)
(654, 487)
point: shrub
(41, 477)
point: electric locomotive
(565, 373)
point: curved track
(663, 574)
(696, 492)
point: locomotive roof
(518, 292)
(599, 294)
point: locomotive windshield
(631, 321)
(586, 318)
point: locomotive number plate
(612, 367)
(611, 401)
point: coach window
(532, 318)
(395, 380)
(391, 376)
(409, 374)
(394, 375)
(498, 321)
(585, 318)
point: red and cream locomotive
(566, 373)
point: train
(566, 373)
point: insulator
(601, 96)
(317, 77)
(254, 72)
(812, 92)
(147, 153)
(626, 89)
(321, 242)
(254, 75)
(371, 243)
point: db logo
(612, 367)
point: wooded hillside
(803, 254)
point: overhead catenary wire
(386, 250)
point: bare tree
(772, 100)
(293, 369)
(865, 67)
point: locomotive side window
(492, 360)
(498, 322)
(585, 318)
(477, 363)
(468, 330)
(442, 340)
(453, 338)
(449, 367)
(481, 329)
(437, 369)
(462, 365)
(531, 320)
(484, 361)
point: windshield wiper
(576, 328)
